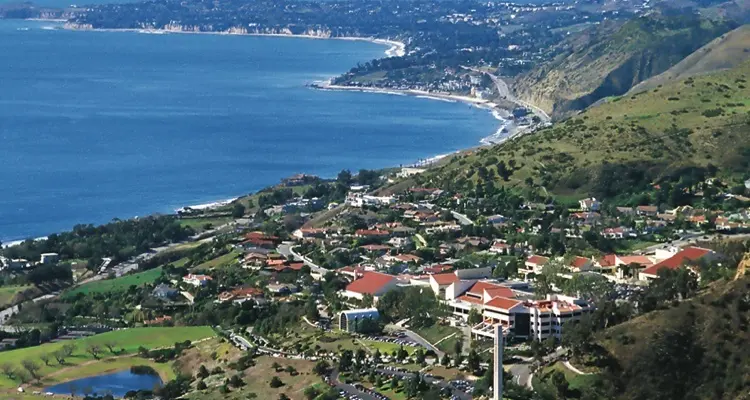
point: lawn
(8, 293)
(120, 284)
(78, 364)
(437, 332)
(576, 382)
(220, 261)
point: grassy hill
(695, 350)
(624, 145)
(724, 52)
(120, 284)
(609, 59)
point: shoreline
(507, 130)
(396, 48)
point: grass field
(79, 364)
(8, 293)
(436, 333)
(120, 284)
(220, 261)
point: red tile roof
(502, 303)
(677, 260)
(501, 291)
(538, 260)
(370, 282)
(642, 260)
(478, 289)
(469, 299)
(444, 279)
(579, 262)
(608, 260)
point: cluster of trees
(421, 306)
(120, 240)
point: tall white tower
(497, 384)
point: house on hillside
(686, 255)
(164, 292)
(589, 204)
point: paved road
(349, 388)
(461, 218)
(442, 384)
(288, 248)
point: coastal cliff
(610, 60)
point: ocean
(103, 125)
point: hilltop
(724, 52)
(693, 127)
(609, 59)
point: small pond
(116, 384)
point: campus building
(350, 320)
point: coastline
(396, 48)
(507, 130)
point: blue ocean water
(97, 125)
(117, 384)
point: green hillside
(695, 350)
(696, 125)
(608, 60)
(725, 52)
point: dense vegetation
(119, 240)
(675, 136)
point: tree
(201, 385)
(321, 367)
(291, 370)
(367, 300)
(236, 381)
(276, 366)
(345, 360)
(94, 350)
(283, 396)
(59, 356)
(276, 382)
(311, 393)
(68, 349)
(238, 210)
(473, 361)
(395, 381)
(311, 310)
(446, 360)
(45, 357)
(7, 369)
(474, 317)
(31, 367)
(202, 372)
(560, 383)
(110, 345)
